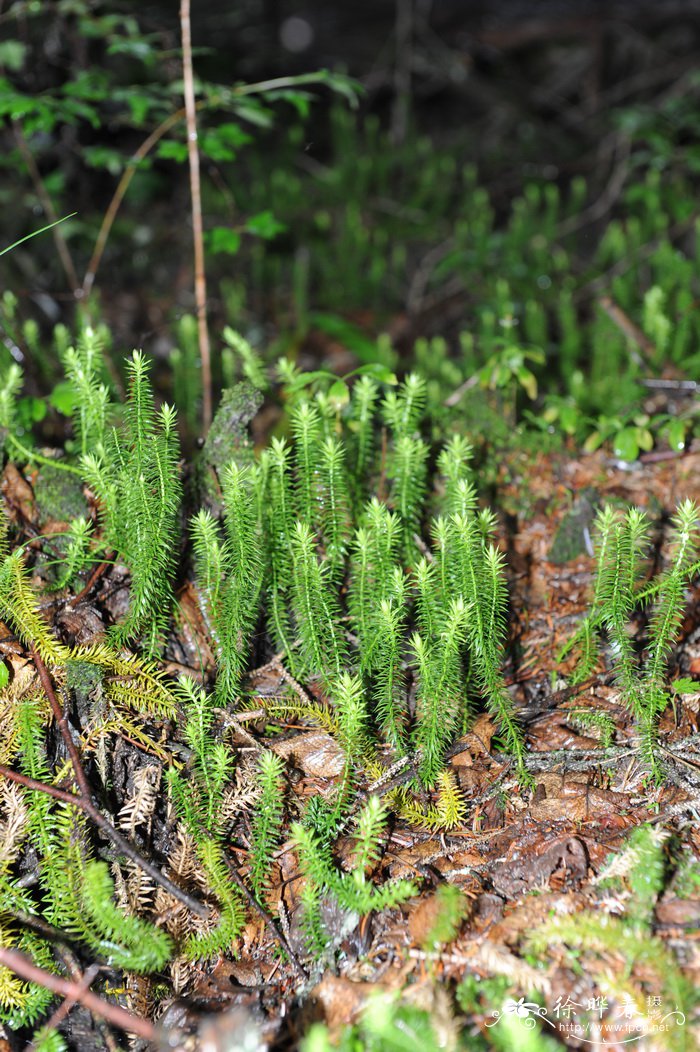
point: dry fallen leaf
(315, 753)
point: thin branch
(122, 186)
(26, 969)
(200, 281)
(49, 210)
(631, 331)
(83, 985)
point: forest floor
(523, 855)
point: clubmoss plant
(135, 476)
(617, 592)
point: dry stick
(98, 572)
(631, 331)
(26, 969)
(49, 210)
(83, 984)
(267, 919)
(122, 186)
(84, 800)
(120, 842)
(200, 281)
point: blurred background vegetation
(507, 198)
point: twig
(122, 186)
(85, 801)
(49, 210)
(269, 922)
(83, 984)
(200, 281)
(633, 333)
(98, 572)
(21, 965)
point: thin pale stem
(200, 281)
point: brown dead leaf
(81, 625)
(679, 913)
(341, 999)
(535, 869)
(315, 753)
(18, 494)
(193, 637)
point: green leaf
(528, 381)
(222, 239)
(685, 686)
(265, 225)
(63, 398)
(173, 151)
(381, 373)
(626, 443)
(676, 435)
(338, 394)
(645, 439)
(30, 411)
(593, 442)
(4, 675)
(12, 55)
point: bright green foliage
(199, 799)
(48, 1040)
(408, 472)
(315, 608)
(10, 386)
(20, 608)
(375, 553)
(83, 366)
(353, 891)
(306, 427)
(362, 433)
(267, 819)
(279, 519)
(334, 499)
(403, 409)
(474, 569)
(642, 866)
(220, 938)
(387, 1025)
(135, 476)
(621, 543)
(78, 892)
(352, 716)
(230, 574)
(441, 689)
(389, 673)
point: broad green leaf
(12, 55)
(4, 675)
(645, 439)
(222, 239)
(676, 434)
(528, 381)
(173, 151)
(62, 398)
(626, 444)
(338, 394)
(685, 686)
(265, 225)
